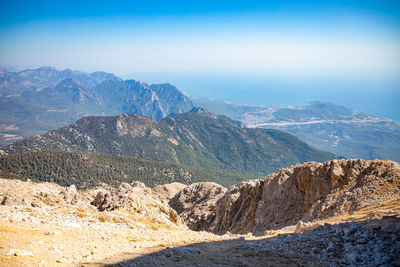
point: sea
(377, 96)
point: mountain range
(37, 100)
(31, 80)
(340, 212)
(197, 139)
(326, 126)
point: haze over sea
(381, 98)
(250, 52)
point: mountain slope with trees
(87, 170)
(196, 139)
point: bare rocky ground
(43, 224)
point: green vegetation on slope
(196, 139)
(301, 150)
(220, 143)
(87, 170)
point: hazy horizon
(271, 53)
(364, 95)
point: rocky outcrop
(168, 191)
(235, 211)
(196, 202)
(137, 198)
(294, 196)
(46, 224)
(19, 193)
(134, 199)
(300, 193)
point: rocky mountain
(35, 80)
(69, 94)
(294, 196)
(45, 98)
(329, 127)
(156, 100)
(196, 139)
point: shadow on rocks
(364, 243)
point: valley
(326, 126)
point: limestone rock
(237, 208)
(196, 203)
(136, 198)
(303, 193)
(70, 195)
(168, 191)
(36, 199)
(9, 201)
(306, 192)
(19, 193)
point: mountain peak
(201, 111)
(70, 83)
(46, 68)
(101, 76)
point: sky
(251, 52)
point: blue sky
(312, 42)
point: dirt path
(23, 244)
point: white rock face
(300, 193)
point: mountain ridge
(47, 98)
(194, 139)
(43, 77)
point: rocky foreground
(300, 193)
(343, 212)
